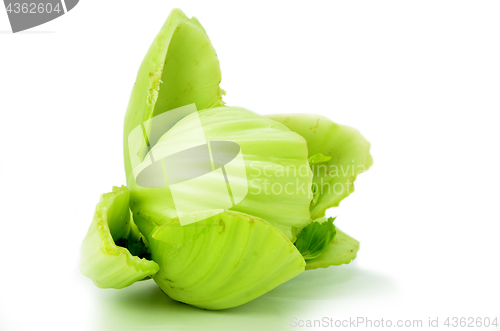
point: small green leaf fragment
(343, 250)
(316, 237)
(318, 158)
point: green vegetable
(222, 261)
(273, 183)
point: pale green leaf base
(223, 261)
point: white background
(420, 80)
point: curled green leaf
(102, 260)
(349, 154)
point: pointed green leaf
(180, 68)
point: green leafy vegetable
(315, 238)
(220, 257)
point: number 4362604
(33, 8)
(470, 322)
